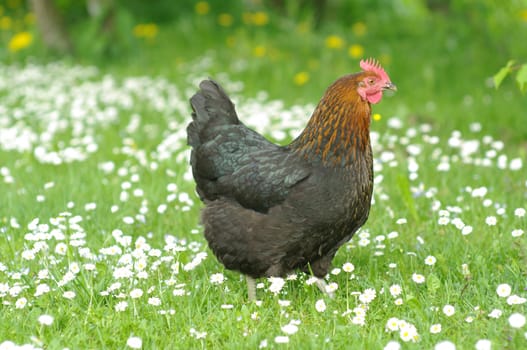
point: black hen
(271, 209)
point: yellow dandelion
(13, 3)
(301, 78)
(359, 29)
(146, 30)
(259, 51)
(377, 117)
(356, 51)
(260, 18)
(225, 19)
(202, 8)
(151, 30)
(138, 30)
(5, 23)
(230, 41)
(334, 42)
(523, 15)
(20, 41)
(29, 18)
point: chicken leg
(251, 287)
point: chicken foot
(323, 286)
(251, 288)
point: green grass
(432, 90)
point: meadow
(100, 242)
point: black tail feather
(211, 107)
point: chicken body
(271, 209)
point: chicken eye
(371, 81)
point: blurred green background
(441, 54)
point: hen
(272, 209)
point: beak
(389, 86)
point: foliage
(111, 34)
(521, 74)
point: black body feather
(272, 209)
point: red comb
(372, 65)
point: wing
(240, 164)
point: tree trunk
(51, 26)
